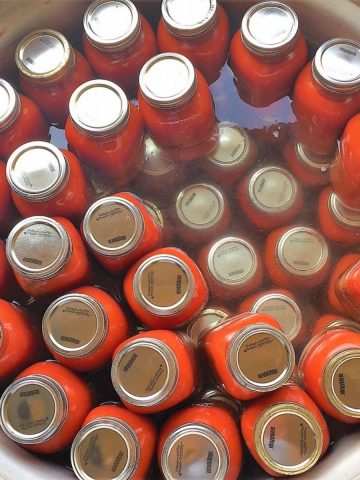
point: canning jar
(50, 70)
(270, 197)
(47, 181)
(209, 317)
(334, 322)
(249, 355)
(267, 53)
(9, 287)
(285, 431)
(20, 120)
(197, 29)
(232, 268)
(155, 370)
(327, 94)
(119, 230)
(47, 255)
(117, 42)
(8, 213)
(347, 290)
(345, 263)
(297, 257)
(105, 130)
(165, 289)
(44, 407)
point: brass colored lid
(188, 18)
(9, 105)
(208, 318)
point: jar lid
(113, 226)
(168, 80)
(188, 18)
(312, 159)
(336, 65)
(232, 147)
(163, 285)
(105, 448)
(302, 251)
(208, 318)
(38, 248)
(288, 438)
(37, 171)
(74, 325)
(44, 55)
(9, 105)
(232, 261)
(155, 212)
(269, 28)
(112, 24)
(204, 453)
(349, 217)
(99, 108)
(144, 372)
(33, 409)
(342, 323)
(156, 163)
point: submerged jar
(267, 53)
(50, 70)
(118, 40)
(9, 287)
(8, 213)
(347, 290)
(209, 317)
(343, 265)
(329, 322)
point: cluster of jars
(211, 316)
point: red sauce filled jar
(344, 263)
(347, 290)
(50, 70)
(249, 355)
(209, 317)
(117, 42)
(199, 30)
(20, 120)
(231, 267)
(47, 255)
(327, 94)
(285, 431)
(165, 289)
(179, 113)
(9, 287)
(47, 181)
(8, 213)
(154, 371)
(270, 197)
(297, 257)
(119, 230)
(106, 130)
(44, 407)
(82, 328)
(330, 321)
(267, 53)
(113, 443)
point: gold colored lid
(208, 318)
(232, 147)
(349, 217)
(188, 18)
(9, 105)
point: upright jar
(178, 113)
(119, 230)
(347, 290)
(20, 120)
(285, 431)
(47, 181)
(154, 371)
(327, 94)
(44, 407)
(209, 317)
(165, 289)
(334, 322)
(197, 29)
(50, 70)
(8, 213)
(267, 53)
(105, 130)
(344, 264)
(9, 287)
(47, 255)
(249, 355)
(117, 42)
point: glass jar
(209, 317)
(333, 322)
(9, 287)
(346, 262)
(8, 213)
(347, 290)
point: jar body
(345, 262)
(332, 322)
(347, 290)
(7, 210)
(9, 287)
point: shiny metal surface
(9, 105)
(349, 217)
(232, 147)
(313, 160)
(156, 162)
(208, 318)
(188, 18)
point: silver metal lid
(232, 261)
(232, 147)
(269, 28)
(155, 212)
(188, 18)
(9, 105)
(195, 451)
(74, 325)
(208, 318)
(349, 217)
(302, 251)
(37, 171)
(342, 323)
(336, 65)
(44, 55)
(168, 80)
(112, 24)
(38, 248)
(200, 206)
(99, 108)
(33, 409)
(314, 160)
(113, 226)
(272, 189)
(106, 448)
(163, 285)
(144, 372)
(156, 162)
